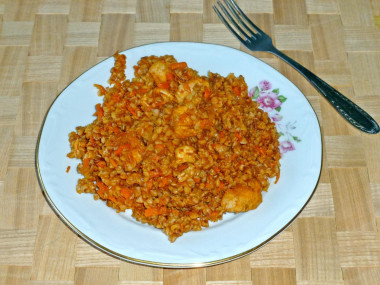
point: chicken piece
(241, 199)
(184, 127)
(166, 95)
(159, 70)
(186, 88)
(134, 157)
(185, 154)
(182, 123)
(146, 131)
(128, 149)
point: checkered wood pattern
(45, 44)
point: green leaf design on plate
(296, 139)
(277, 91)
(281, 134)
(282, 98)
(278, 109)
(257, 93)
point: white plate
(238, 234)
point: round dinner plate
(121, 236)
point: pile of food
(177, 148)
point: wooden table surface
(45, 44)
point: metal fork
(253, 38)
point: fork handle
(348, 109)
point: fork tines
(242, 25)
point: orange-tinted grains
(177, 148)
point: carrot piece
(139, 84)
(119, 150)
(261, 150)
(112, 198)
(155, 211)
(140, 91)
(151, 212)
(217, 169)
(239, 138)
(163, 85)
(164, 182)
(121, 200)
(170, 76)
(101, 89)
(277, 177)
(187, 87)
(203, 123)
(130, 94)
(126, 192)
(159, 147)
(68, 169)
(221, 185)
(102, 189)
(214, 215)
(101, 193)
(182, 167)
(117, 84)
(115, 130)
(113, 162)
(178, 65)
(102, 186)
(236, 90)
(115, 97)
(207, 93)
(131, 110)
(86, 162)
(101, 164)
(99, 111)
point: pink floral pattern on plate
(271, 101)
